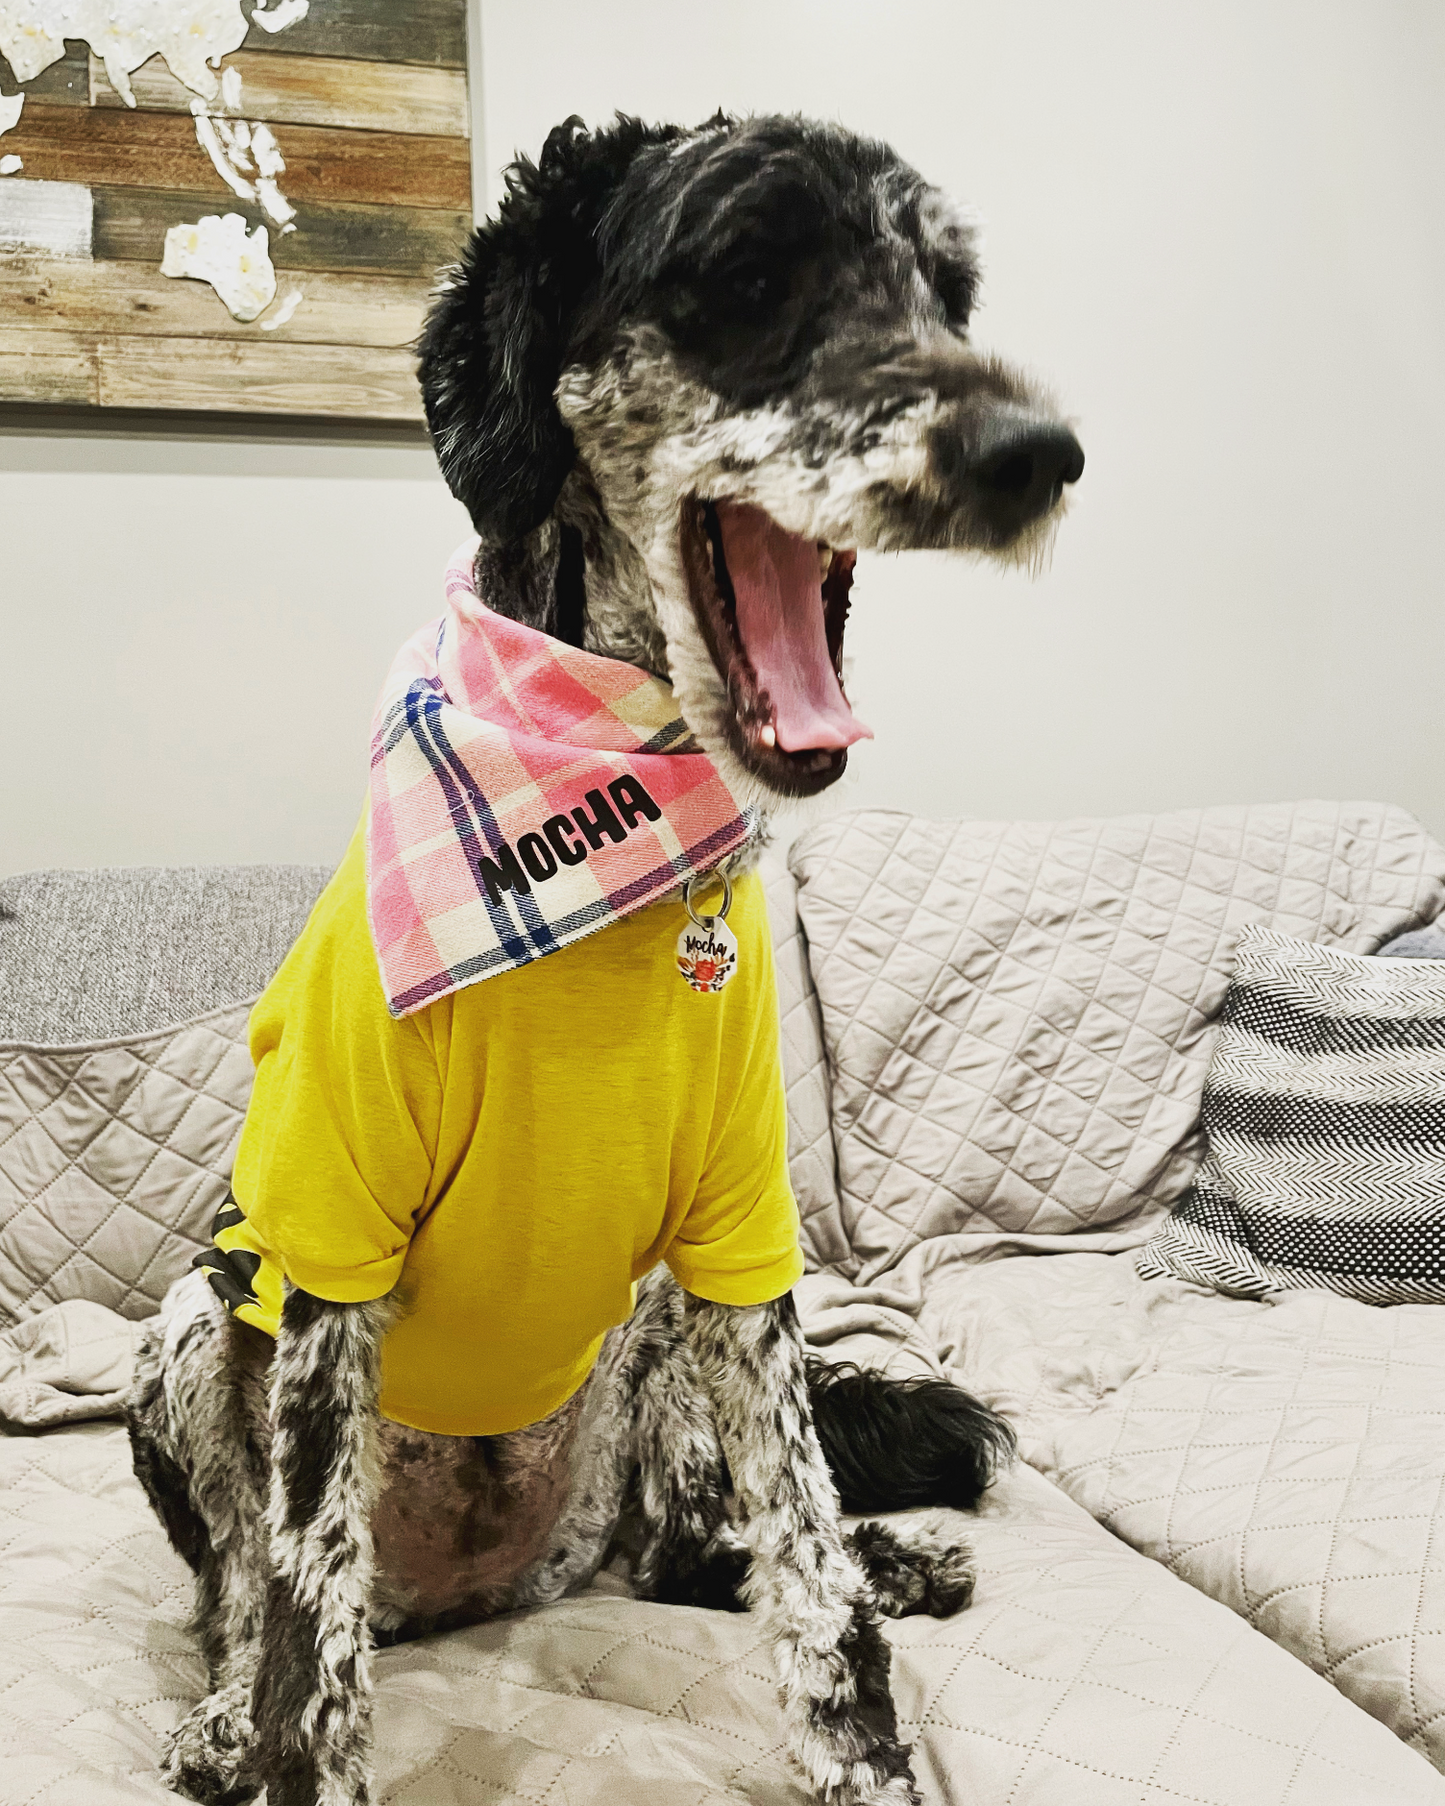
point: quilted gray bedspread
(1082, 1675)
(1014, 1021)
(1004, 1050)
(1283, 1456)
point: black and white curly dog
(659, 323)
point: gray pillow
(1324, 1113)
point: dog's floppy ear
(492, 349)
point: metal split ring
(706, 922)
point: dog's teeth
(769, 736)
(825, 558)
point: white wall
(194, 633)
(1218, 231)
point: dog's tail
(896, 1444)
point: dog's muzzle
(1007, 475)
(996, 457)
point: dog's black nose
(1022, 475)
(1017, 473)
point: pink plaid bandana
(523, 794)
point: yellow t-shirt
(512, 1158)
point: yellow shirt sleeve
(739, 1241)
(336, 1157)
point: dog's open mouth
(772, 608)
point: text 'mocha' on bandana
(523, 794)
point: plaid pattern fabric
(523, 794)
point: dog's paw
(845, 1737)
(874, 1783)
(874, 1790)
(204, 1753)
(914, 1571)
(950, 1580)
(847, 1771)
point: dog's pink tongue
(780, 622)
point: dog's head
(683, 377)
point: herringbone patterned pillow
(1324, 1113)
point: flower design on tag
(707, 954)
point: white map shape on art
(217, 250)
(282, 14)
(284, 309)
(189, 34)
(244, 152)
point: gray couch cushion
(1081, 1675)
(114, 1158)
(124, 1074)
(85, 956)
(1284, 1456)
(1018, 1015)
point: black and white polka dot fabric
(1324, 1112)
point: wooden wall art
(217, 206)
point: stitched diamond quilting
(113, 1160)
(1017, 1017)
(1285, 1457)
(1081, 1676)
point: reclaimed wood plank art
(252, 227)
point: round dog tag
(707, 949)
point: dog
(677, 360)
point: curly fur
(820, 1609)
(768, 311)
(691, 1445)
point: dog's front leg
(821, 1613)
(312, 1704)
